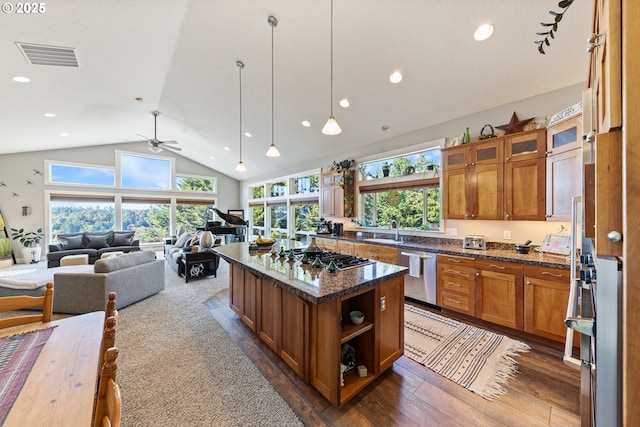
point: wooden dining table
(61, 387)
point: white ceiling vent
(39, 54)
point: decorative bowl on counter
(357, 317)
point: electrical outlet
(506, 234)
(383, 303)
(451, 231)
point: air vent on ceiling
(39, 54)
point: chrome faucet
(395, 224)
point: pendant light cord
(240, 67)
(273, 24)
(331, 58)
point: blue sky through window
(145, 172)
(82, 175)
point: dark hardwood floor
(543, 392)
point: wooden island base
(311, 337)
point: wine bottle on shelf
(467, 138)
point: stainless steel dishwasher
(421, 285)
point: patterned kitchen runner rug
(476, 359)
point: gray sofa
(93, 244)
(133, 277)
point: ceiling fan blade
(169, 142)
(148, 139)
(170, 147)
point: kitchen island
(302, 313)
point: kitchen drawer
(450, 283)
(456, 271)
(456, 260)
(499, 266)
(377, 253)
(346, 248)
(456, 302)
(547, 273)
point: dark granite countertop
(496, 251)
(316, 285)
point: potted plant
(385, 169)
(30, 241)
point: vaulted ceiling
(179, 57)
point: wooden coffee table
(198, 264)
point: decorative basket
(487, 136)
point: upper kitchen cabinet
(473, 180)
(563, 167)
(605, 76)
(337, 194)
(524, 176)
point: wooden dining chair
(109, 401)
(110, 309)
(23, 301)
(109, 330)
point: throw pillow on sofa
(183, 240)
(98, 240)
(71, 241)
(122, 238)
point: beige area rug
(476, 359)
(178, 367)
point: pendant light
(273, 151)
(240, 167)
(331, 127)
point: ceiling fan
(155, 144)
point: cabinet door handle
(453, 260)
(457, 285)
(454, 271)
(551, 274)
(508, 158)
(455, 301)
(507, 216)
(529, 283)
(497, 266)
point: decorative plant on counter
(564, 4)
(29, 238)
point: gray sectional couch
(93, 244)
(133, 277)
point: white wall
(17, 169)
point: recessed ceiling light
(49, 114)
(344, 103)
(21, 79)
(483, 32)
(395, 77)
(306, 123)
(386, 128)
(64, 134)
(138, 99)
(248, 134)
(226, 148)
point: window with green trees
(405, 188)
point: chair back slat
(21, 302)
(109, 400)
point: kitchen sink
(381, 240)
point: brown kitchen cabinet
(328, 244)
(524, 176)
(499, 292)
(380, 253)
(608, 194)
(605, 74)
(377, 342)
(337, 194)
(243, 289)
(456, 283)
(546, 294)
(473, 181)
(564, 167)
